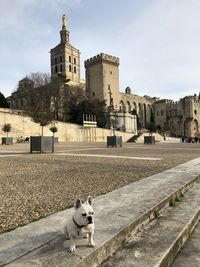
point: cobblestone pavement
(36, 185)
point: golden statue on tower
(64, 22)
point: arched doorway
(195, 127)
(145, 116)
(134, 110)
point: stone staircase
(142, 224)
(160, 241)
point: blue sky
(157, 41)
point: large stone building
(18, 99)
(102, 82)
(180, 118)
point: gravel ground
(34, 186)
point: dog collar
(79, 226)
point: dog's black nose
(89, 219)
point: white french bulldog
(81, 224)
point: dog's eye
(84, 214)
(91, 213)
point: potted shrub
(114, 140)
(54, 129)
(6, 129)
(42, 143)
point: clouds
(157, 41)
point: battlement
(101, 57)
(193, 98)
(166, 101)
(173, 104)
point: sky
(157, 41)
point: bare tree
(40, 78)
(39, 106)
(72, 97)
(42, 117)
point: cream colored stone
(23, 126)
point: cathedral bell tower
(65, 58)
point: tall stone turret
(102, 78)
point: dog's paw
(91, 244)
(72, 248)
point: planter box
(7, 140)
(42, 144)
(55, 140)
(115, 141)
(149, 140)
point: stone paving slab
(42, 243)
(108, 156)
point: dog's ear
(77, 203)
(89, 200)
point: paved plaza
(36, 185)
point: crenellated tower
(102, 78)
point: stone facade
(18, 99)
(102, 77)
(102, 82)
(181, 118)
(22, 125)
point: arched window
(121, 106)
(128, 107)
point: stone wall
(23, 126)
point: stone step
(117, 215)
(160, 241)
(189, 255)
